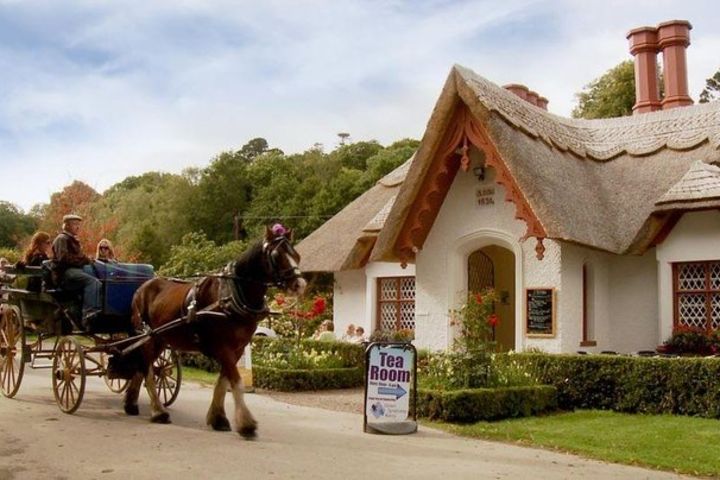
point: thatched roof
(345, 241)
(699, 186)
(591, 182)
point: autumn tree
(81, 199)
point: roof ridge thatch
(602, 139)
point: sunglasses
(104, 248)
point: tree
(253, 148)
(611, 95)
(14, 225)
(712, 89)
(152, 212)
(223, 191)
(79, 198)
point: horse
(226, 308)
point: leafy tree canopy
(15, 225)
(712, 89)
(611, 95)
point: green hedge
(472, 405)
(686, 386)
(294, 380)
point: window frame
(708, 292)
(398, 301)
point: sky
(98, 91)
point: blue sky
(97, 91)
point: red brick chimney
(673, 40)
(644, 47)
(528, 95)
(519, 90)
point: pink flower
(493, 319)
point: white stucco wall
(349, 304)
(622, 300)
(355, 295)
(696, 237)
(461, 227)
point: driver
(69, 261)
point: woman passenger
(105, 252)
(35, 255)
(38, 251)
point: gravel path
(345, 400)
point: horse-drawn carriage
(215, 315)
(41, 327)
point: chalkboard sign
(540, 311)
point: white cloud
(127, 87)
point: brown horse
(225, 310)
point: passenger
(359, 335)
(69, 261)
(38, 251)
(105, 252)
(34, 256)
(325, 332)
(349, 333)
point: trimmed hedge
(473, 405)
(295, 380)
(685, 386)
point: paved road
(37, 441)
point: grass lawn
(666, 442)
(198, 375)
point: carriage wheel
(168, 376)
(12, 340)
(116, 385)
(68, 374)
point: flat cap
(67, 218)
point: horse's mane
(250, 258)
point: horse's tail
(140, 313)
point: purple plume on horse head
(278, 230)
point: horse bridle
(280, 277)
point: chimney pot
(519, 90)
(673, 40)
(532, 97)
(644, 47)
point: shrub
(687, 386)
(472, 405)
(307, 379)
(688, 340)
(12, 255)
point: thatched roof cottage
(598, 234)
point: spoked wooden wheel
(168, 376)
(116, 385)
(12, 340)
(68, 374)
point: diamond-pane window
(697, 295)
(396, 303)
